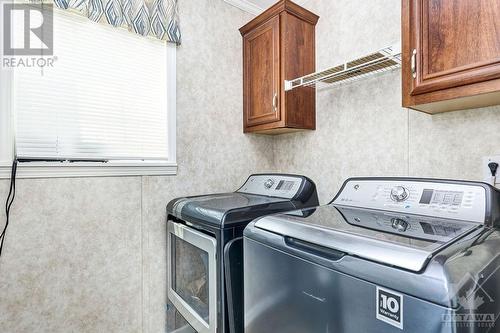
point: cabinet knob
(275, 102)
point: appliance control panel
(272, 185)
(462, 201)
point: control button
(447, 199)
(438, 197)
(269, 183)
(457, 199)
(399, 224)
(399, 193)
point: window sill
(65, 170)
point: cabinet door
(262, 74)
(456, 42)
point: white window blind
(105, 98)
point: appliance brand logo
(390, 307)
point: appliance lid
(261, 194)
(400, 240)
(224, 207)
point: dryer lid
(399, 240)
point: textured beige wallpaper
(88, 255)
(72, 260)
(362, 128)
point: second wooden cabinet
(451, 54)
(278, 45)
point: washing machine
(387, 255)
(205, 245)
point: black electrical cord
(8, 202)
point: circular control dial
(269, 183)
(399, 193)
(399, 224)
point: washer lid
(404, 241)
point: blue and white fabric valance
(157, 18)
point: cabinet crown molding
(279, 7)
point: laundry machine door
(192, 285)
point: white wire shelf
(384, 60)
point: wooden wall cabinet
(451, 54)
(278, 45)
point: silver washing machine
(386, 255)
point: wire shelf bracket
(384, 60)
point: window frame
(85, 169)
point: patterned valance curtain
(157, 18)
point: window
(105, 107)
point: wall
(362, 129)
(88, 254)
